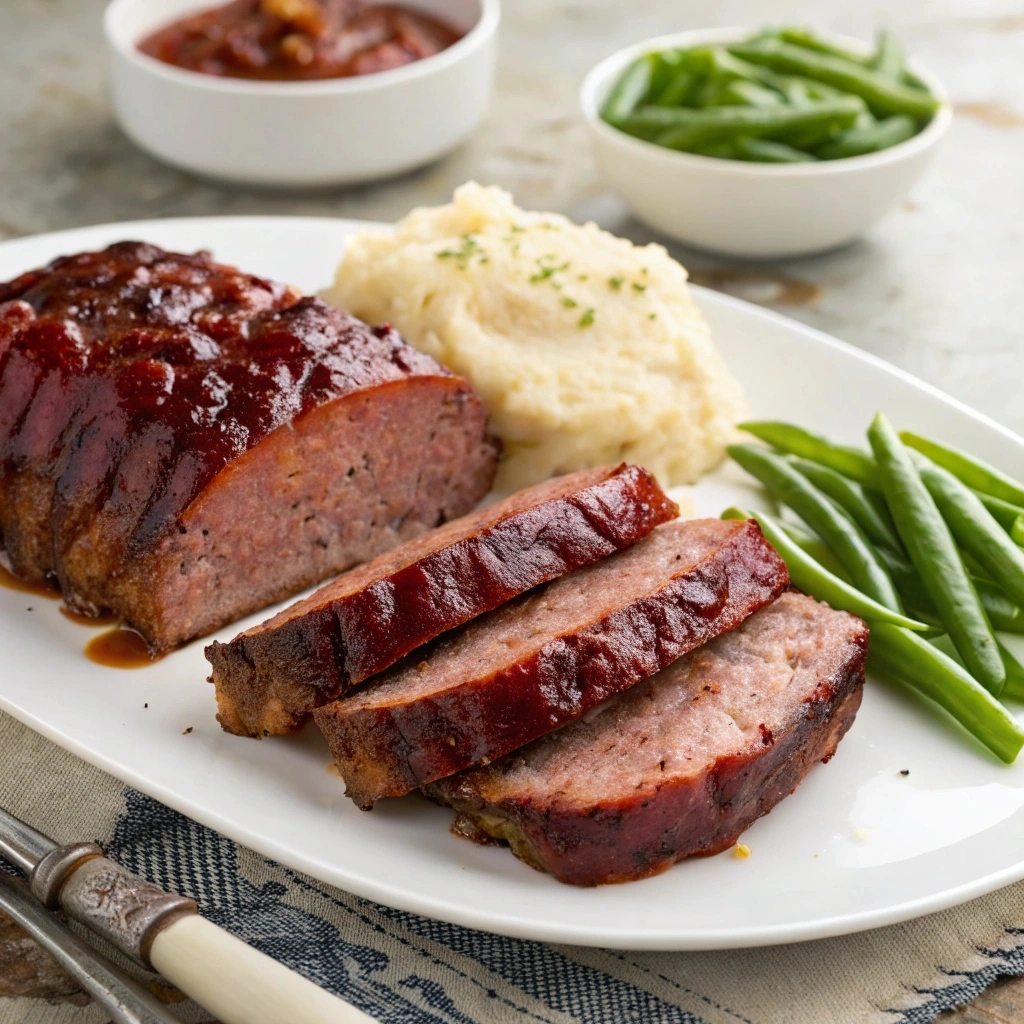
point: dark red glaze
(131, 378)
(270, 678)
(661, 821)
(299, 40)
(387, 745)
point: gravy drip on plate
(299, 40)
(94, 621)
(11, 582)
(120, 648)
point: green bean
(1001, 511)
(934, 555)
(809, 41)
(1002, 613)
(888, 59)
(870, 138)
(973, 566)
(974, 528)
(629, 90)
(1017, 531)
(850, 462)
(814, 579)
(741, 93)
(717, 61)
(1014, 689)
(678, 90)
(768, 152)
(685, 128)
(881, 95)
(815, 137)
(797, 94)
(813, 545)
(665, 66)
(850, 496)
(908, 585)
(973, 472)
(707, 93)
(839, 532)
(914, 661)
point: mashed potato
(585, 348)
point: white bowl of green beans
(765, 144)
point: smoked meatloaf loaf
(272, 676)
(548, 657)
(681, 764)
(183, 443)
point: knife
(163, 932)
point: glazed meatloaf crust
(681, 764)
(271, 677)
(548, 657)
(183, 443)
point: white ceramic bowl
(301, 134)
(747, 209)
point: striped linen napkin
(405, 969)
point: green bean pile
(782, 96)
(923, 542)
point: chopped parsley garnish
(588, 318)
(469, 248)
(639, 287)
(569, 303)
(616, 282)
(546, 272)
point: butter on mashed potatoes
(585, 348)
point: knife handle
(124, 999)
(238, 984)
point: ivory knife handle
(238, 984)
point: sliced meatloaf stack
(550, 656)
(681, 764)
(271, 677)
(183, 443)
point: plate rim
(649, 939)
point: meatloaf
(548, 657)
(271, 677)
(681, 764)
(182, 443)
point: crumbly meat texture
(548, 657)
(183, 443)
(269, 678)
(680, 765)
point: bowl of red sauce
(300, 93)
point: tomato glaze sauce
(299, 40)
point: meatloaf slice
(548, 657)
(271, 677)
(681, 764)
(183, 443)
